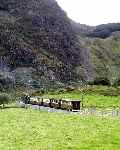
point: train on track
(64, 104)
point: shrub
(5, 83)
(4, 99)
(117, 82)
(101, 81)
(35, 84)
(90, 82)
(69, 88)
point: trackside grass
(90, 99)
(99, 96)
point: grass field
(100, 96)
(90, 99)
(27, 129)
(22, 129)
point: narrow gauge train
(69, 105)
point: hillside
(37, 34)
(104, 30)
(103, 41)
(105, 55)
(38, 42)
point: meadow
(27, 129)
(98, 96)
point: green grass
(90, 99)
(22, 129)
(99, 96)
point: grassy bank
(90, 99)
(37, 130)
(100, 96)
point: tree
(101, 81)
(6, 82)
(4, 99)
(114, 74)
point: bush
(90, 82)
(5, 83)
(116, 82)
(35, 84)
(4, 99)
(101, 81)
(70, 88)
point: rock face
(38, 24)
(38, 34)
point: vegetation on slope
(34, 31)
(38, 34)
(105, 30)
(105, 56)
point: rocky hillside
(38, 42)
(38, 34)
(105, 56)
(82, 30)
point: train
(64, 104)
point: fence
(101, 112)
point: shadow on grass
(10, 107)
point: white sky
(92, 12)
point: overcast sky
(92, 12)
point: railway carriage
(66, 105)
(55, 103)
